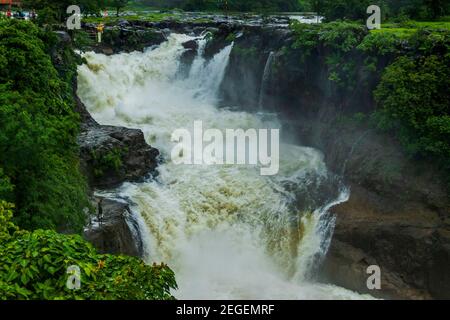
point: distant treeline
(51, 10)
(332, 9)
(231, 5)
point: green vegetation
(147, 16)
(51, 11)
(412, 70)
(407, 28)
(33, 265)
(414, 102)
(246, 53)
(41, 186)
(112, 161)
(82, 40)
(331, 9)
(413, 96)
(229, 5)
(338, 41)
(118, 4)
(38, 128)
(39, 173)
(391, 9)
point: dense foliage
(38, 128)
(118, 4)
(413, 95)
(412, 72)
(414, 98)
(39, 173)
(356, 9)
(34, 265)
(229, 5)
(331, 9)
(50, 11)
(55, 11)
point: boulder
(191, 45)
(398, 215)
(188, 57)
(114, 229)
(410, 244)
(107, 51)
(63, 36)
(347, 266)
(112, 155)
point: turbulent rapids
(226, 231)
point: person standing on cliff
(100, 211)
(100, 29)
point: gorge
(213, 224)
(345, 198)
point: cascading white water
(265, 79)
(225, 230)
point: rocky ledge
(397, 217)
(113, 155)
(110, 156)
(114, 229)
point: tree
(413, 101)
(118, 4)
(59, 8)
(318, 7)
(38, 128)
(437, 8)
(356, 9)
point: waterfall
(226, 231)
(206, 76)
(265, 79)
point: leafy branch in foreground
(33, 265)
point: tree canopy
(230, 5)
(39, 170)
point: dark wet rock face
(113, 229)
(191, 45)
(410, 244)
(398, 214)
(243, 79)
(113, 155)
(188, 57)
(63, 36)
(110, 156)
(125, 38)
